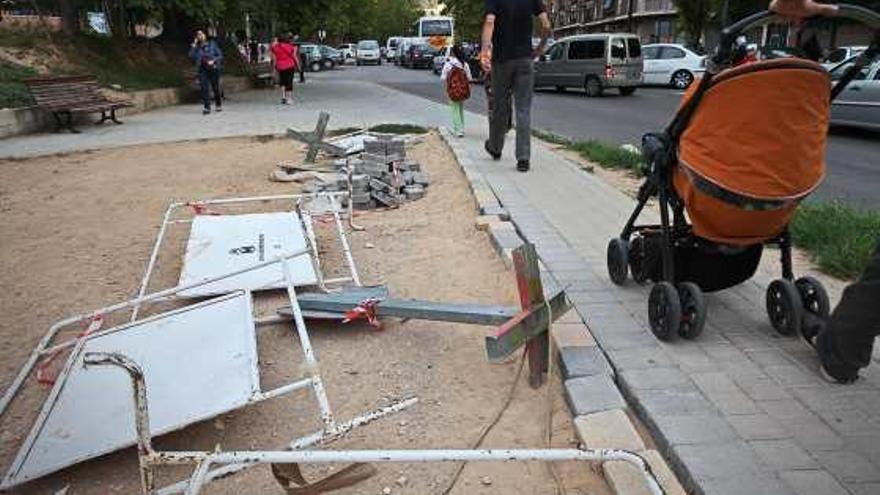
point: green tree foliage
(468, 15)
(341, 19)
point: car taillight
(609, 72)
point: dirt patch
(77, 230)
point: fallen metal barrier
(149, 459)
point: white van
(594, 62)
(391, 48)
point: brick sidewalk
(739, 411)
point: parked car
(671, 64)
(440, 60)
(311, 55)
(858, 105)
(420, 56)
(331, 57)
(840, 54)
(391, 48)
(368, 53)
(347, 50)
(595, 62)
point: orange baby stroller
(745, 147)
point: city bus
(438, 30)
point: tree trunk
(69, 16)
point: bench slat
(78, 93)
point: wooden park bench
(64, 96)
(261, 72)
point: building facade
(652, 20)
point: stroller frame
(677, 306)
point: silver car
(859, 104)
(594, 62)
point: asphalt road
(853, 155)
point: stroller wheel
(784, 306)
(618, 264)
(813, 296)
(637, 267)
(664, 310)
(693, 310)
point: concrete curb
(596, 403)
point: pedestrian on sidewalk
(209, 62)
(285, 58)
(457, 76)
(301, 66)
(508, 55)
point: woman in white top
(457, 76)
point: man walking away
(209, 62)
(457, 76)
(507, 53)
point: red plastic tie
(46, 374)
(366, 310)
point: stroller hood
(760, 130)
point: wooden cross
(515, 327)
(529, 327)
(315, 140)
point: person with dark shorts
(286, 59)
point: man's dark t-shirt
(512, 38)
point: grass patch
(839, 238)
(342, 131)
(398, 129)
(22, 38)
(13, 92)
(605, 154)
(132, 64)
(551, 138)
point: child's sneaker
(284, 101)
(460, 134)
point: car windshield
(840, 70)
(392, 43)
(438, 27)
(368, 45)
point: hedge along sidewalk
(599, 409)
(839, 238)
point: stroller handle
(724, 51)
(844, 11)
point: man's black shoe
(494, 154)
(522, 165)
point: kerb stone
(589, 394)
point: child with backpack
(457, 76)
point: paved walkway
(350, 103)
(739, 411)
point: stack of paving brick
(382, 176)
